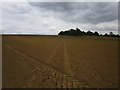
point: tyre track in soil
(96, 82)
(52, 55)
(67, 65)
(83, 72)
(67, 80)
(68, 69)
(34, 58)
(34, 75)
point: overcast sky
(52, 17)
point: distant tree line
(78, 32)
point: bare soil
(59, 62)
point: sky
(49, 18)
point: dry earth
(59, 62)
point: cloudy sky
(52, 17)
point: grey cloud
(81, 12)
(15, 8)
(50, 18)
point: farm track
(58, 79)
(88, 72)
(63, 66)
(67, 65)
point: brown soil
(59, 62)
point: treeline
(78, 32)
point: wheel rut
(48, 72)
(67, 65)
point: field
(59, 62)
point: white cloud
(22, 18)
(60, 0)
(73, 0)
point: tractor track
(66, 80)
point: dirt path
(32, 58)
(47, 75)
(67, 65)
(54, 52)
(58, 63)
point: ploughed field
(59, 62)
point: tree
(106, 34)
(78, 32)
(111, 33)
(89, 33)
(96, 33)
(77, 29)
(61, 33)
(100, 35)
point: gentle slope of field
(59, 62)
